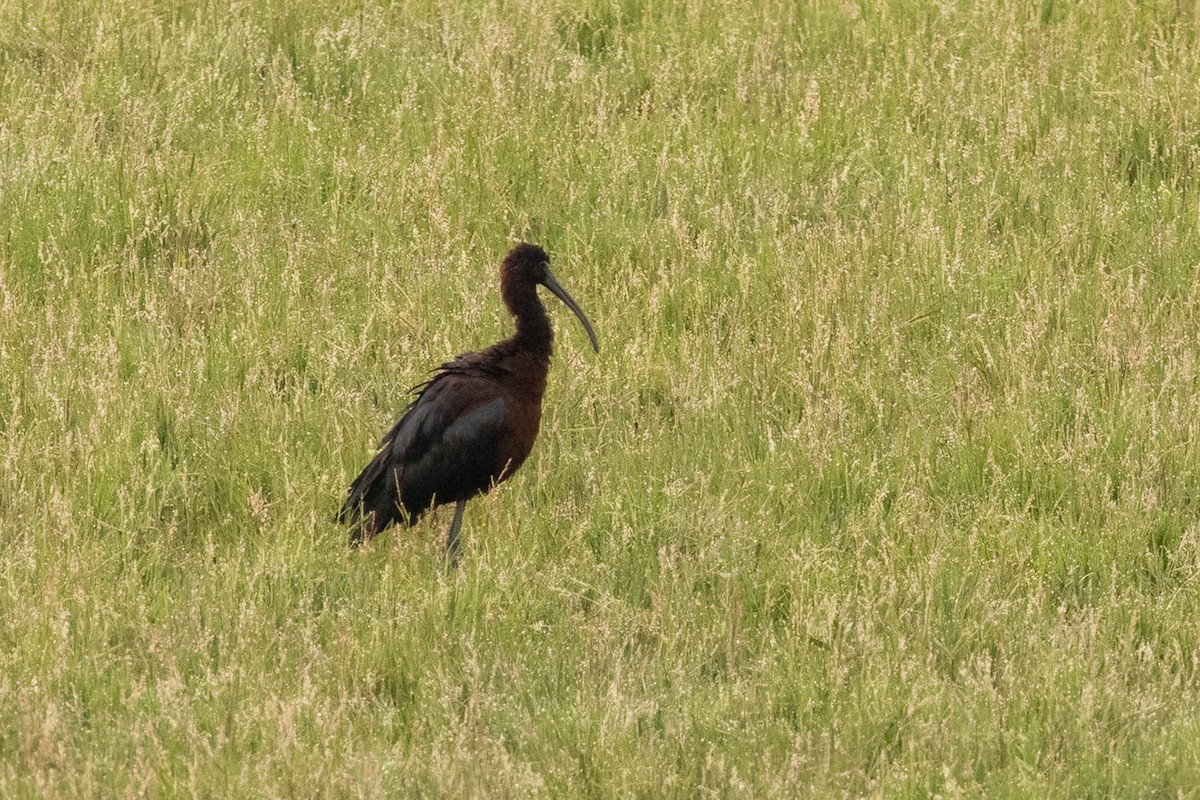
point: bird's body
(474, 423)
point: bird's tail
(373, 502)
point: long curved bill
(554, 286)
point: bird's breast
(524, 422)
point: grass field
(885, 482)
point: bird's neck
(533, 326)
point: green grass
(886, 481)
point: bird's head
(529, 265)
(526, 263)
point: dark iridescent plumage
(473, 424)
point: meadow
(884, 483)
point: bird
(473, 424)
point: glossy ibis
(472, 425)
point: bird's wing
(454, 423)
(453, 413)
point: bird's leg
(453, 543)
